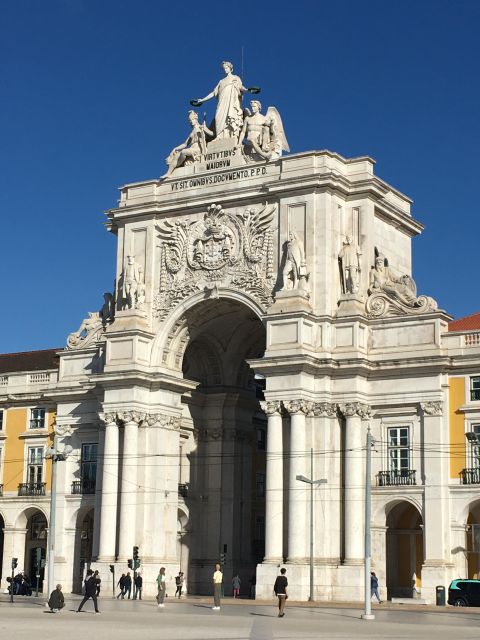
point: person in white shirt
(217, 587)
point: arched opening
(404, 547)
(472, 544)
(83, 547)
(226, 492)
(35, 550)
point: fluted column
(297, 491)
(97, 521)
(274, 484)
(354, 413)
(128, 491)
(109, 490)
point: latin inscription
(220, 178)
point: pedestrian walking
(253, 584)
(138, 586)
(179, 580)
(280, 589)
(56, 602)
(90, 591)
(161, 587)
(236, 582)
(374, 587)
(127, 586)
(98, 581)
(121, 586)
(217, 587)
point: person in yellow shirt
(217, 587)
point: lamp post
(367, 615)
(312, 483)
(55, 456)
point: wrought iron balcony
(32, 489)
(470, 476)
(83, 487)
(396, 478)
(183, 490)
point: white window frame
(29, 419)
(470, 389)
(88, 444)
(413, 424)
(398, 469)
(33, 444)
(472, 423)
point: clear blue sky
(94, 95)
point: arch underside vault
(223, 461)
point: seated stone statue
(263, 134)
(87, 331)
(193, 147)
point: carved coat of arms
(231, 249)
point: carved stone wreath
(222, 248)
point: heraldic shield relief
(221, 249)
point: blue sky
(94, 95)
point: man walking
(217, 587)
(280, 588)
(90, 591)
(179, 583)
(127, 586)
(121, 586)
(374, 587)
(138, 586)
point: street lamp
(52, 453)
(312, 483)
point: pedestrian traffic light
(136, 559)
(14, 563)
(130, 564)
(222, 558)
(112, 568)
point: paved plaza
(242, 620)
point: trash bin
(440, 595)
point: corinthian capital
(110, 417)
(298, 406)
(432, 408)
(359, 409)
(271, 407)
(325, 409)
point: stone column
(354, 413)
(109, 490)
(297, 491)
(436, 518)
(128, 487)
(97, 518)
(274, 484)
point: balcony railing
(183, 490)
(82, 487)
(396, 478)
(32, 489)
(470, 476)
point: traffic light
(136, 559)
(14, 563)
(130, 564)
(112, 568)
(223, 558)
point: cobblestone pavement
(193, 619)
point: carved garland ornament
(432, 408)
(234, 250)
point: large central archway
(227, 460)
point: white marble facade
(211, 305)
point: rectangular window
(399, 450)
(35, 465)
(475, 388)
(89, 462)
(260, 485)
(1, 419)
(37, 418)
(261, 439)
(475, 448)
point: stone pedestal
(351, 304)
(290, 300)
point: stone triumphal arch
(264, 307)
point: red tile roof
(29, 361)
(465, 324)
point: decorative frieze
(298, 406)
(325, 409)
(350, 409)
(432, 408)
(271, 407)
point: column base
(275, 561)
(104, 559)
(354, 562)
